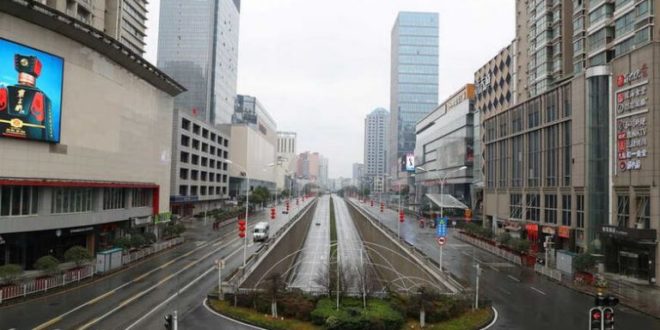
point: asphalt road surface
(312, 263)
(524, 299)
(178, 279)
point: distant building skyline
(413, 79)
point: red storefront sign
(564, 232)
(532, 231)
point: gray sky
(320, 66)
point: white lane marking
(513, 278)
(537, 290)
(493, 321)
(228, 318)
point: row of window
(23, 200)
(185, 190)
(642, 208)
(205, 147)
(530, 209)
(205, 133)
(194, 159)
(201, 175)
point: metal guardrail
(76, 275)
(549, 272)
(504, 254)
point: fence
(75, 275)
(549, 272)
(44, 284)
(514, 258)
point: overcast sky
(320, 66)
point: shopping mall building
(85, 136)
(573, 159)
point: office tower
(376, 126)
(413, 80)
(198, 46)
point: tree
(424, 301)
(259, 195)
(10, 272)
(274, 285)
(48, 264)
(584, 262)
(366, 192)
(137, 240)
(78, 255)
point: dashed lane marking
(537, 290)
(513, 278)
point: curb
(205, 303)
(492, 321)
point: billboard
(30, 93)
(410, 162)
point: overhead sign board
(441, 228)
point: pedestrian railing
(45, 284)
(70, 276)
(511, 257)
(549, 272)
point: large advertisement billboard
(30, 93)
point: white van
(260, 232)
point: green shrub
(520, 245)
(504, 238)
(48, 264)
(378, 315)
(584, 262)
(9, 273)
(150, 237)
(137, 240)
(122, 242)
(78, 255)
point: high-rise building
(413, 79)
(286, 159)
(358, 174)
(198, 46)
(544, 30)
(376, 127)
(323, 171)
(124, 20)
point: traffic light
(382, 207)
(272, 213)
(168, 322)
(608, 318)
(595, 318)
(241, 228)
(402, 216)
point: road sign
(441, 229)
(441, 240)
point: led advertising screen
(30, 93)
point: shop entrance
(634, 264)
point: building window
(71, 200)
(622, 210)
(579, 211)
(185, 124)
(517, 162)
(502, 179)
(141, 197)
(491, 153)
(183, 174)
(185, 141)
(195, 144)
(515, 207)
(193, 190)
(114, 198)
(568, 160)
(551, 209)
(184, 157)
(551, 155)
(534, 154)
(196, 129)
(204, 161)
(195, 160)
(194, 175)
(643, 212)
(183, 190)
(533, 207)
(205, 147)
(202, 190)
(18, 200)
(566, 210)
(205, 133)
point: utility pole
(476, 296)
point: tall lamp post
(247, 206)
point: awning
(446, 201)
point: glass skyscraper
(414, 79)
(198, 47)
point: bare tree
(274, 285)
(324, 279)
(423, 299)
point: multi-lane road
(139, 296)
(524, 299)
(312, 262)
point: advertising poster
(30, 93)
(410, 162)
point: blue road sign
(441, 228)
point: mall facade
(85, 136)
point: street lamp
(247, 206)
(442, 184)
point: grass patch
(470, 320)
(261, 320)
(379, 314)
(333, 247)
